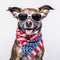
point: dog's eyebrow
(31, 9)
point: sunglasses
(34, 16)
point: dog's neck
(20, 34)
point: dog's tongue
(28, 32)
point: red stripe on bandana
(36, 50)
(22, 42)
(31, 55)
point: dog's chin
(28, 32)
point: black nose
(28, 23)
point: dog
(28, 44)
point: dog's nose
(28, 23)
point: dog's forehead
(30, 10)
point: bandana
(30, 44)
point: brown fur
(14, 53)
(31, 9)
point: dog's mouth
(28, 32)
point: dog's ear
(14, 11)
(44, 10)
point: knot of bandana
(30, 45)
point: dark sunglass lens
(22, 17)
(36, 17)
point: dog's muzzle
(29, 25)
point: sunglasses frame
(29, 16)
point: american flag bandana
(30, 45)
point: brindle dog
(33, 24)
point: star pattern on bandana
(29, 46)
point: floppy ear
(44, 10)
(14, 10)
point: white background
(50, 29)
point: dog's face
(30, 18)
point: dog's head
(30, 18)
